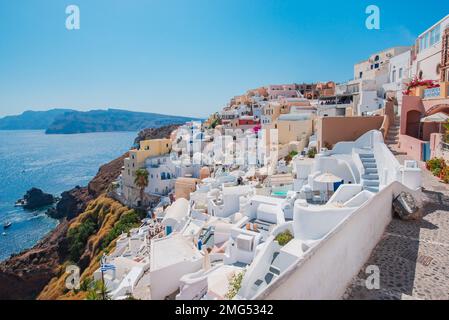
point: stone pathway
(413, 257)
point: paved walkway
(413, 257)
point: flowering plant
(420, 83)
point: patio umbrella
(439, 117)
(328, 178)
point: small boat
(6, 225)
(4, 234)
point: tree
(141, 181)
(98, 291)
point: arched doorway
(438, 108)
(413, 124)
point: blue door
(426, 151)
(168, 230)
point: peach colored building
(326, 89)
(331, 130)
(431, 63)
(184, 186)
(285, 90)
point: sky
(187, 57)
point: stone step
(366, 155)
(371, 176)
(370, 165)
(398, 153)
(275, 270)
(371, 183)
(372, 189)
(371, 171)
(368, 160)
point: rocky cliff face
(36, 198)
(39, 271)
(24, 275)
(156, 133)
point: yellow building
(294, 131)
(136, 160)
(270, 113)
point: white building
(428, 52)
(399, 76)
(334, 227)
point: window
(376, 58)
(376, 66)
(426, 40)
(393, 76)
(400, 73)
(435, 35)
(360, 74)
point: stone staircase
(392, 138)
(273, 273)
(370, 178)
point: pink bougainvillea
(429, 84)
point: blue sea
(53, 163)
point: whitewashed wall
(327, 269)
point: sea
(53, 163)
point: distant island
(32, 120)
(67, 121)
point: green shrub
(234, 285)
(86, 284)
(312, 153)
(284, 237)
(127, 221)
(77, 238)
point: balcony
(432, 93)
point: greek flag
(105, 267)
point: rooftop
(172, 250)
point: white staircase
(370, 177)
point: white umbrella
(439, 117)
(328, 178)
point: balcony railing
(432, 93)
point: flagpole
(102, 277)
(102, 285)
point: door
(426, 151)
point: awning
(437, 117)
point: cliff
(31, 120)
(155, 133)
(89, 224)
(110, 120)
(85, 251)
(24, 275)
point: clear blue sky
(187, 57)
